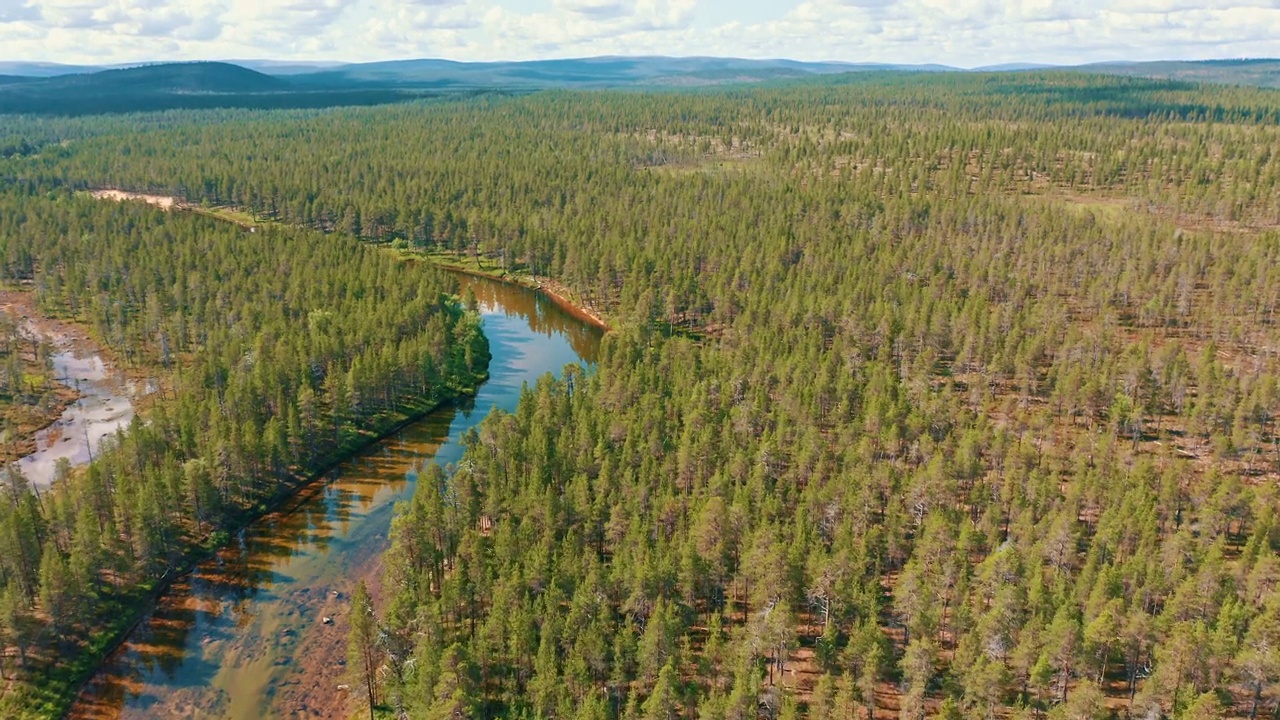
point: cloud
(586, 27)
(98, 23)
(981, 32)
(957, 32)
(305, 18)
(14, 11)
(868, 3)
(75, 15)
(597, 9)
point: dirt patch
(162, 201)
(561, 294)
(21, 304)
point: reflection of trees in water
(213, 602)
(326, 512)
(464, 405)
(166, 632)
(158, 647)
(541, 313)
(240, 578)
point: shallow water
(244, 636)
(103, 408)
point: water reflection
(104, 406)
(245, 635)
(540, 313)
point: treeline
(35, 100)
(286, 351)
(971, 409)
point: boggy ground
(87, 398)
(29, 419)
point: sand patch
(162, 201)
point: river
(244, 637)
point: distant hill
(609, 71)
(586, 72)
(44, 88)
(1015, 67)
(43, 69)
(1263, 72)
(200, 77)
(16, 80)
(281, 85)
(286, 67)
(174, 85)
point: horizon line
(338, 63)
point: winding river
(245, 636)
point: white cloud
(958, 32)
(599, 9)
(13, 11)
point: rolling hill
(203, 77)
(44, 88)
(175, 85)
(291, 85)
(1263, 72)
(588, 72)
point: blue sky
(965, 33)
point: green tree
(363, 655)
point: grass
(231, 215)
(1104, 207)
(470, 263)
(49, 694)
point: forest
(282, 351)
(928, 396)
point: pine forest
(924, 396)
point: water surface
(104, 407)
(244, 637)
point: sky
(963, 33)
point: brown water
(244, 637)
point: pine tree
(362, 645)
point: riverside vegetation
(289, 351)
(969, 411)
(30, 397)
